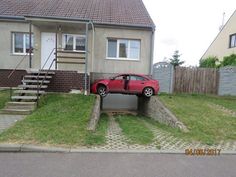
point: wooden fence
(196, 80)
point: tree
(229, 60)
(175, 60)
(209, 62)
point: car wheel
(148, 92)
(101, 90)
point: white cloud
(187, 26)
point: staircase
(24, 98)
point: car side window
(119, 78)
(137, 78)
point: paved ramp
(120, 102)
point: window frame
(24, 43)
(118, 47)
(230, 40)
(74, 42)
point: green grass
(205, 123)
(4, 97)
(98, 137)
(134, 129)
(61, 119)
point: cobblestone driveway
(163, 140)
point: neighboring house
(105, 36)
(225, 42)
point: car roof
(141, 75)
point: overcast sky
(186, 25)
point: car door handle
(142, 82)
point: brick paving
(7, 121)
(162, 141)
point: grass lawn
(61, 119)
(206, 123)
(134, 129)
(4, 97)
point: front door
(48, 43)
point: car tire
(102, 90)
(148, 92)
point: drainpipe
(86, 62)
(152, 50)
(92, 55)
(30, 44)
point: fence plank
(196, 80)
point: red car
(126, 84)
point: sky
(186, 25)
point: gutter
(13, 18)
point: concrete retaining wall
(153, 108)
(95, 115)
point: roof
(118, 12)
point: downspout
(30, 44)
(86, 62)
(92, 55)
(152, 51)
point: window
(73, 42)
(137, 78)
(232, 41)
(21, 43)
(123, 49)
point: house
(75, 38)
(225, 42)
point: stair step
(12, 103)
(32, 86)
(16, 111)
(30, 91)
(41, 72)
(35, 76)
(20, 107)
(24, 97)
(36, 81)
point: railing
(17, 66)
(46, 74)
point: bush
(209, 62)
(229, 60)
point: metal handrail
(9, 76)
(46, 74)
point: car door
(117, 84)
(136, 84)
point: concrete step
(32, 86)
(36, 77)
(41, 72)
(24, 97)
(20, 107)
(36, 81)
(16, 103)
(16, 111)
(30, 91)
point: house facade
(225, 42)
(76, 35)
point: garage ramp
(119, 102)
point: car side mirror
(112, 78)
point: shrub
(229, 60)
(209, 62)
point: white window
(73, 42)
(21, 43)
(123, 49)
(232, 42)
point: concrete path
(7, 121)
